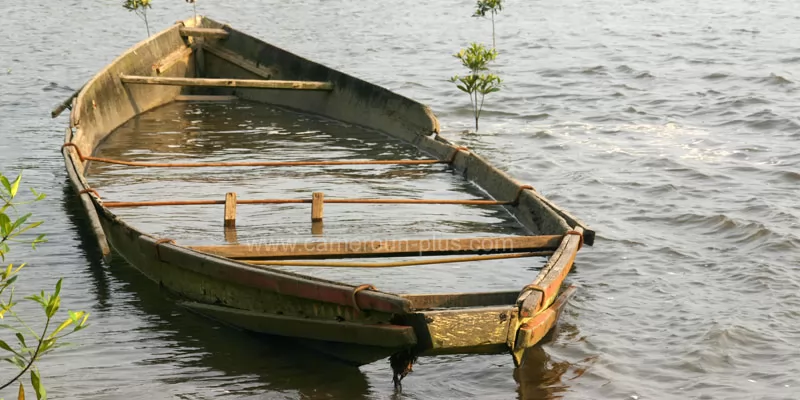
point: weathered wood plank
(241, 62)
(211, 82)
(180, 55)
(550, 277)
(204, 32)
(449, 300)
(371, 248)
(467, 330)
(383, 335)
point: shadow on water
(276, 364)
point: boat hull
(343, 320)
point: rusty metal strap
(158, 245)
(580, 235)
(455, 153)
(358, 289)
(536, 288)
(77, 150)
(519, 193)
(90, 190)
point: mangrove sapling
(478, 83)
(492, 7)
(139, 7)
(33, 343)
(194, 8)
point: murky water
(669, 126)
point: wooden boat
(244, 286)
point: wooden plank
(394, 264)
(477, 330)
(430, 301)
(177, 56)
(239, 61)
(214, 33)
(317, 206)
(210, 82)
(230, 210)
(383, 335)
(372, 248)
(190, 97)
(550, 277)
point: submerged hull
(202, 59)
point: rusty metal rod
(259, 163)
(117, 204)
(392, 264)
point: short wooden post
(230, 210)
(317, 228)
(230, 235)
(317, 200)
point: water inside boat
(246, 131)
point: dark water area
(671, 127)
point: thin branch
(33, 359)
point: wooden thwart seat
(204, 32)
(213, 82)
(394, 264)
(386, 248)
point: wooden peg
(230, 210)
(230, 235)
(317, 200)
(317, 228)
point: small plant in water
(140, 8)
(479, 82)
(194, 8)
(489, 6)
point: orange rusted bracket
(90, 190)
(77, 150)
(455, 153)
(365, 286)
(158, 245)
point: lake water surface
(671, 127)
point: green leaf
(36, 382)
(27, 228)
(5, 225)
(58, 287)
(21, 220)
(5, 183)
(5, 346)
(21, 339)
(15, 186)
